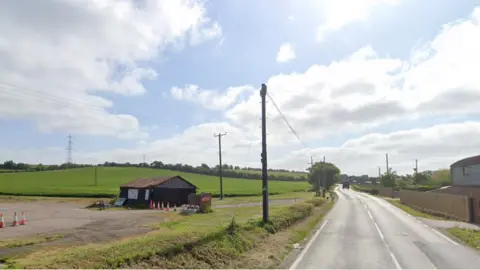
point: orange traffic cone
(15, 220)
(2, 221)
(23, 221)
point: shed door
(147, 194)
(133, 194)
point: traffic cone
(168, 207)
(162, 207)
(23, 221)
(15, 220)
(2, 221)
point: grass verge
(287, 195)
(216, 240)
(468, 236)
(28, 241)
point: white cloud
(340, 13)
(209, 99)
(349, 95)
(55, 55)
(286, 52)
(435, 147)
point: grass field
(81, 182)
(294, 174)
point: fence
(386, 192)
(453, 206)
(472, 192)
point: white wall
(466, 176)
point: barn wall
(466, 176)
(140, 199)
(176, 183)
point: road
(364, 231)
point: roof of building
(152, 182)
(467, 162)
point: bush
(370, 190)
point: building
(168, 189)
(466, 172)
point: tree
(389, 178)
(323, 175)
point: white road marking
(394, 259)
(400, 211)
(305, 249)
(445, 237)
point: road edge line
(307, 246)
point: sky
(134, 79)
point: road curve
(366, 232)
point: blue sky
(245, 54)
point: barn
(466, 172)
(167, 189)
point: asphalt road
(363, 231)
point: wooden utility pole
(324, 180)
(263, 94)
(96, 175)
(416, 170)
(386, 160)
(219, 135)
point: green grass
(468, 236)
(81, 182)
(294, 174)
(411, 210)
(249, 199)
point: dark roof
(467, 162)
(152, 182)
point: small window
(133, 194)
(465, 171)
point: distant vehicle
(346, 185)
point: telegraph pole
(311, 165)
(416, 170)
(263, 94)
(324, 177)
(69, 151)
(386, 160)
(379, 172)
(96, 166)
(219, 135)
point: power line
(87, 108)
(285, 119)
(69, 150)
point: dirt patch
(70, 219)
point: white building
(466, 172)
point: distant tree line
(10, 166)
(227, 170)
